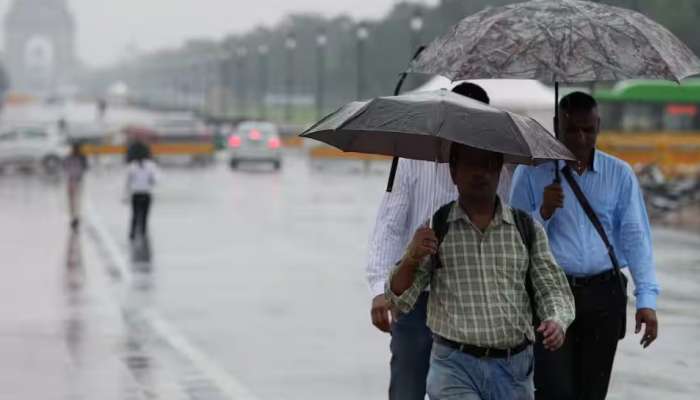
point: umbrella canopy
(422, 126)
(564, 41)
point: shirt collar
(501, 216)
(594, 167)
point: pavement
(250, 286)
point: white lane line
(225, 382)
(228, 385)
(118, 264)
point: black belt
(583, 281)
(482, 352)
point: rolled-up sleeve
(407, 300)
(553, 296)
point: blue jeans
(411, 341)
(457, 375)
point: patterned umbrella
(567, 41)
(564, 41)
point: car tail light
(254, 135)
(274, 143)
(234, 141)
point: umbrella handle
(557, 175)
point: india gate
(39, 50)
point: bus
(653, 123)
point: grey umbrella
(564, 41)
(422, 125)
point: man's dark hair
(472, 90)
(577, 101)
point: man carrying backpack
(480, 309)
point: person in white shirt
(401, 212)
(140, 181)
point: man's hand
(553, 335)
(424, 244)
(647, 316)
(381, 313)
(552, 199)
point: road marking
(118, 267)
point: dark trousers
(140, 205)
(581, 368)
(411, 343)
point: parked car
(32, 146)
(255, 142)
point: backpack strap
(526, 228)
(440, 227)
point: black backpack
(526, 228)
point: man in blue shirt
(581, 368)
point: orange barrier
(323, 152)
(17, 98)
(292, 141)
(675, 153)
(156, 149)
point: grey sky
(106, 27)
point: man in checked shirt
(478, 309)
(400, 213)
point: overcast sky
(107, 27)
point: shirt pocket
(510, 261)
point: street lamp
(416, 28)
(241, 54)
(321, 43)
(225, 81)
(290, 44)
(263, 50)
(362, 36)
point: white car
(32, 146)
(255, 142)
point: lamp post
(416, 29)
(225, 81)
(321, 43)
(263, 51)
(362, 36)
(242, 91)
(290, 44)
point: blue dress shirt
(613, 191)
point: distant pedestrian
(74, 167)
(140, 181)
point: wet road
(254, 289)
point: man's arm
(523, 195)
(386, 243)
(553, 297)
(634, 237)
(412, 275)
